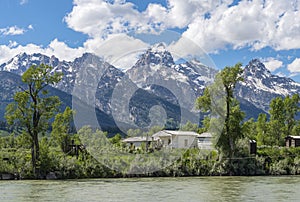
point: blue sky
(227, 31)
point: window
(186, 142)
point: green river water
(283, 188)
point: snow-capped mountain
(21, 62)
(260, 86)
(160, 80)
(97, 70)
(157, 72)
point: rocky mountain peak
(156, 55)
(257, 69)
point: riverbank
(269, 161)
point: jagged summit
(21, 62)
(260, 86)
(156, 55)
(257, 68)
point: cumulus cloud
(294, 67)
(57, 48)
(119, 50)
(62, 51)
(7, 52)
(255, 24)
(100, 18)
(212, 24)
(272, 64)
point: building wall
(292, 142)
(166, 141)
(297, 143)
(184, 141)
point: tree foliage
(32, 107)
(231, 131)
(61, 127)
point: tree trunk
(36, 155)
(33, 159)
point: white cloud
(294, 67)
(119, 50)
(7, 52)
(22, 2)
(100, 18)
(62, 50)
(30, 27)
(272, 64)
(213, 25)
(186, 49)
(14, 30)
(57, 48)
(12, 44)
(256, 24)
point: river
(283, 188)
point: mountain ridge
(156, 73)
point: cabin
(137, 142)
(292, 141)
(175, 139)
(205, 141)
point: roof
(293, 137)
(169, 133)
(137, 139)
(205, 135)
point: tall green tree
(277, 121)
(291, 108)
(232, 130)
(283, 113)
(262, 130)
(33, 108)
(61, 127)
(230, 77)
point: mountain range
(155, 80)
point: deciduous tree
(32, 107)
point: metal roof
(168, 133)
(137, 139)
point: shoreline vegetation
(55, 164)
(39, 142)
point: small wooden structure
(252, 147)
(137, 142)
(292, 141)
(74, 149)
